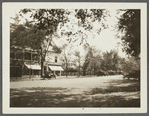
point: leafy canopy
(129, 24)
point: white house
(52, 61)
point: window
(19, 55)
(27, 56)
(55, 58)
(35, 57)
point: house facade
(53, 62)
(27, 62)
(24, 62)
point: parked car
(110, 72)
(101, 73)
(120, 72)
(132, 74)
(50, 75)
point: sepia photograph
(80, 56)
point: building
(24, 62)
(53, 62)
(27, 62)
(71, 68)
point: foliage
(110, 60)
(33, 34)
(129, 24)
(48, 19)
(57, 49)
(89, 62)
(87, 16)
(130, 64)
(66, 56)
(84, 21)
(78, 60)
(52, 19)
(25, 36)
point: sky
(105, 41)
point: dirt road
(106, 91)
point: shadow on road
(120, 93)
(118, 86)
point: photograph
(73, 55)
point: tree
(129, 25)
(87, 16)
(84, 20)
(27, 36)
(110, 60)
(23, 36)
(88, 58)
(78, 60)
(66, 55)
(130, 64)
(95, 59)
(45, 22)
(49, 20)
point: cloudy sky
(105, 41)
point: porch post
(60, 73)
(32, 73)
(47, 68)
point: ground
(105, 91)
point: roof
(56, 68)
(35, 67)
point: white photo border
(6, 7)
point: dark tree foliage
(57, 49)
(85, 19)
(93, 14)
(48, 19)
(24, 36)
(78, 60)
(88, 58)
(129, 24)
(110, 60)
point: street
(104, 91)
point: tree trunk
(23, 63)
(42, 70)
(79, 69)
(94, 69)
(66, 70)
(42, 65)
(84, 71)
(90, 72)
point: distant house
(27, 61)
(71, 68)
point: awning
(34, 67)
(56, 68)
